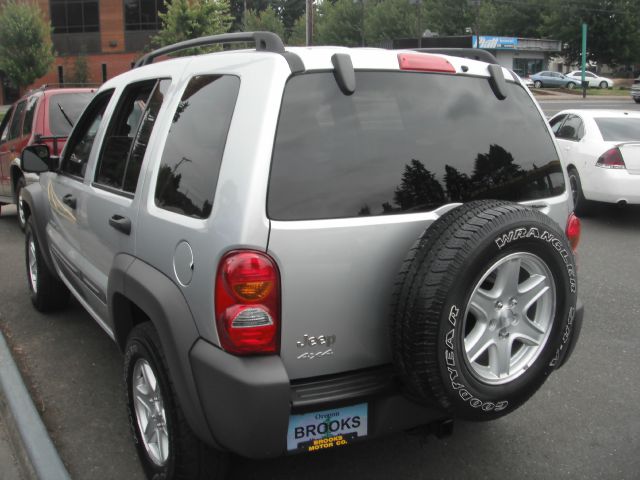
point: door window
(81, 141)
(128, 134)
(16, 121)
(572, 129)
(4, 126)
(556, 123)
(29, 114)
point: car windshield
(619, 129)
(64, 110)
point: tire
(603, 84)
(22, 219)
(581, 205)
(571, 85)
(444, 350)
(637, 100)
(47, 292)
(537, 84)
(183, 456)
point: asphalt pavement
(584, 423)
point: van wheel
(22, 218)
(484, 305)
(47, 292)
(167, 447)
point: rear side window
(619, 129)
(398, 144)
(64, 111)
(572, 129)
(193, 152)
(27, 125)
(16, 121)
(4, 126)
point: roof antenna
(344, 73)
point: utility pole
(584, 59)
(309, 18)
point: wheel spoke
(500, 357)
(507, 277)
(528, 332)
(531, 290)
(477, 342)
(149, 377)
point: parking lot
(583, 423)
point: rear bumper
(613, 186)
(247, 401)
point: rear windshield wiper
(66, 117)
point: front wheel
(166, 446)
(537, 84)
(637, 100)
(571, 85)
(604, 85)
(22, 218)
(47, 292)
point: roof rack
(265, 42)
(470, 53)
(46, 86)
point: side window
(589, 74)
(128, 134)
(572, 129)
(27, 125)
(556, 123)
(16, 121)
(195, 144)
(81, 140)
(4, 126)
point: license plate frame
(326, 429)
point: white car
(601, 150)
(593, 79)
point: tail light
(248, 303)
(612, 158)
(573, 231)
(424, 62)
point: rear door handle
(70, 200)
(120, 223)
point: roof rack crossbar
(470, 53)
(265, 42)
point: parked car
(601, 149)
(593, 79)
(552, 79)
(635, 90)
(295, 250)
(42, 116)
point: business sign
(495, 43)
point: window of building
(143, 14)
(75, 16)
(527, 66)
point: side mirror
(37, 159)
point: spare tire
(484, 305)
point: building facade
(109, 33)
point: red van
(45, 116)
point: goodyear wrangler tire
(484, 306)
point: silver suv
(297, 249)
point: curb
(35, 452)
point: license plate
(316, 431)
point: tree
(186, 19)
(289, 11)
(389, 19)
(612, 29)
(267, 20)
(80, 70)
(26, 52)
(298, 35)
(339, 23)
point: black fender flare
(35, 198)
(134, 281)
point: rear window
(619, 129)
(64, 110)
(405, 142)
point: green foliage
(267, 20)
(237, 10)
(613, 26)
(187, 19)
(389, 19)
(298, 35)
(339, 23)
(449, 17)
(80, 70)
(289, 11)
(26, 52)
